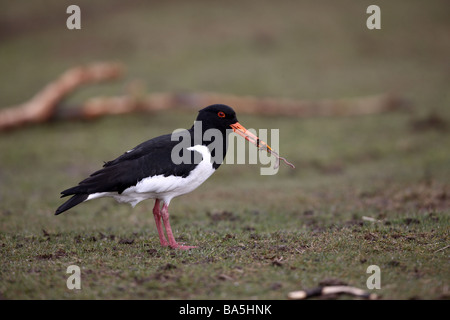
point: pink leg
(172, 242)
(157, 215)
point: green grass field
(259, 237)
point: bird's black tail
(72, 202)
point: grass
(259, 237)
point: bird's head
(223, 117)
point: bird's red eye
(221, 114)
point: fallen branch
(277, 156)
(42, 106)
(46, 104)
(300, 108)
(152, 102)
(102, 106)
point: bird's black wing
(153, 157)
(148, 147)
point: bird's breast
(167, 186)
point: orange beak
(240, 130)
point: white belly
(165, 188)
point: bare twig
(331, 290)
(365, 218)
(442, 249)
(300, 108)
(277, 164)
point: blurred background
(292, 49)
(387, 166)
(285, 49)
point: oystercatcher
(150, 170)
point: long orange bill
(240, 130)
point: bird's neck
(215, 139)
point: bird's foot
(181, 247)
(163, 242)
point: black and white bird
(149, 171)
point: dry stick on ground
(300, 108)
(329, 291)
(101, 106)
(43, 106)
